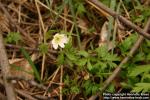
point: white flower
(59, 40)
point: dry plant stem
(20, 92)
(67, 20)
(53, 77)
(41, 97)
(14, 24)
(119, 17)
(27, 48)
(65, 15)
(31, 82)
(43, 64)
(2, 96)
(125, 9)
(125, 60)
(40, 17)
(43, 28)
(61, 70)
(17, 47)
(26, 95)
(4, 64)
(19, 14)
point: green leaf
(69, 62)
(71, 56)
(128, 43)
(112, 65)
(147, 75)
(111, 88)
(83, 53)
(43, 48)
(88, 87)
(80, 9)
(89, 65)
(111, 57)
(60, 58)
(139, 69)
(75, 89)
(102, 51)
(137, 89)
(66, 80)
(26, 55)
(147, 43)
(13, 37)
(145, 87)
(95, 88)
(139, 57)
(103, 65)
(48, 34)
(148, 57)
(140, 18)
(82, 62)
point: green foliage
(13, 37)
(139, 57)
(143, 71)
(80, 8)
(126, 45)
(90, 87)
(144, 87)
(140, 13)
(72, 86)
(111, 88)
(75, 89)
(99, 64)
(83, 53)
(43, 48)
(144, 13)
(137, 75)
(139, 70)
(48, 34)
(60, 58)
(82, 62)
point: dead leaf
(24, 71)
(104, 34)
(104, 40)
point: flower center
(58, 39)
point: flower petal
(61, 44)
(53, 42)
(56, 35)
(65, 39)
(55, 46)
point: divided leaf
(139, 69)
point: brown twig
(6, 71)
(119, 17)
(31, 82)
(25, 94)
(27, 37)
(2, 96)
(28, 48)
(125, 60)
